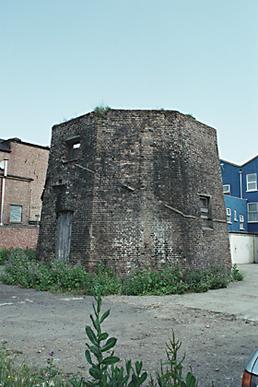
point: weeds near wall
(3, 256)
(22, 268)
(236, 273)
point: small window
(228, 213)
(77, 145)
(73, 145)
(251, 182)
(206, 212)
(204, 207)
(226, 188)
(241, 222)
(252, 209)
(235, 216)
(15, 213)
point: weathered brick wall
(134, 190)
(30, 162)
(27, 165)
(69, 187)
(17, 192)
(19, 236)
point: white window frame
(235, 216)
(254, 212)
(241, 222)
(248, 182)
(226, 188)
(20, 215)
(228, 213)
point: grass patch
(22, 268)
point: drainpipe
(3, 192)
(241, 183)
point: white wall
(244, 248)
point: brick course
(19, 236)
(134, 189)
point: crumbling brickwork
(134, 188)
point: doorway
(63, 235)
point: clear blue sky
(61, 58)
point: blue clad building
(241, 195)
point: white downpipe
(241, 183)
(3, 192)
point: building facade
(134, 188)
(241, 195)
(22, 176)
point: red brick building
(23, 169)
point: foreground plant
(106, 372)
(104, 369)
(171, 371)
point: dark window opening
(206, 211)
(73, 145)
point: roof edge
(94, 112)
(19, 141)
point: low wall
(19, 236)
(244, 248)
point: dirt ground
(216, 344)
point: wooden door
(63, 236)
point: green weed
(22, 268)
(236, 273)
(4, 253)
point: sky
(62, 58)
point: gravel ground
(216, 343)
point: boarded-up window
(206, 211)
(205, 207)
(15, 213)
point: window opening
(73, 145)
(206, 211)
(241, 222)
(226, 188)
(15, 213)
(252, 209)
(228, 213)
(251, 182)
